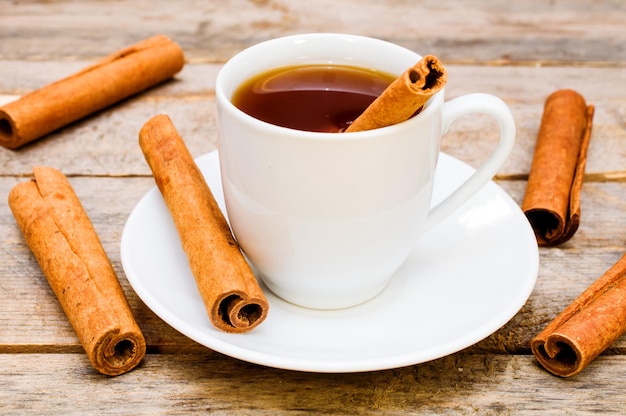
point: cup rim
(226, 104)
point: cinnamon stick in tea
(552, 199)
(109, 80)
(404, 97)
(230, 292)
(70, 254)
(586, 327)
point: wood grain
(211, 383)
(498, 31)
(519, 51)
(105, 144)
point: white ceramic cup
(326, 218)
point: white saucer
(466, 278)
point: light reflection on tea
(319, 98)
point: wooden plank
(106, 142)
(211, 383)
(497, 31)
(35, 322)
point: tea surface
(319, 98)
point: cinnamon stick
(230, 292)
(552, 199)
(586, 327)
(109, 80)
(404, 97)
(70, 254)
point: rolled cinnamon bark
(230, 292)
(552, 199)
(70, 254)
(404, 97)
(111, 79)
(586, 327)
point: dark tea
(319, 98)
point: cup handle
(472, 104)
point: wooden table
(519, 51)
